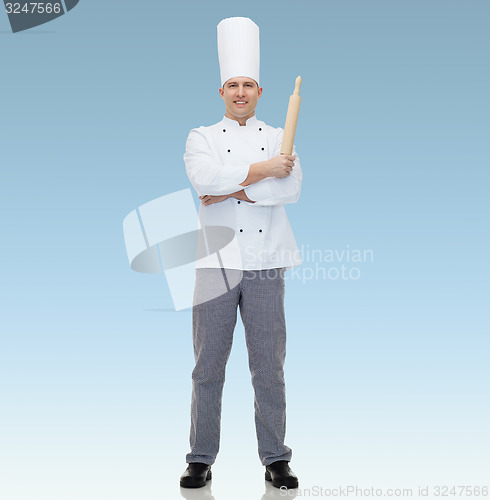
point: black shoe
(196, 475)
(281, 475)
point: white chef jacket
(217, 160)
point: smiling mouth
(240, 102)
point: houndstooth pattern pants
(260, 296)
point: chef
(243, 183)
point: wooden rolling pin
(291, 120)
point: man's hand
(209, 199)
(241, 195)
(280, 166)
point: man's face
(240, 95)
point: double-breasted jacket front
(217, 160)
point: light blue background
(387, 375)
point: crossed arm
(278, 167)
(209, 199)
(270, 182)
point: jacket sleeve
(206, 175)
(277, 191)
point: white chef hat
(238, 48)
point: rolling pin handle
(297, 84)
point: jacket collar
(252, 121)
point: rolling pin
(291, 120)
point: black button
(262, 149)
(238, 202)
(241, 230)
(260, 230)
(224, 130)
(229, 150)
(260, 129)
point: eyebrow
(250, 82)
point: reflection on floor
(205, 493)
